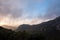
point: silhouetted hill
(24, 27)
(45, 26)
(9, 27)
(45, 31)
(4, 33)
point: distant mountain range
(45, 26)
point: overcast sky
(16, 12)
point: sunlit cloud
(17, 12)
(13, 12)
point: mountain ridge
(49, 25)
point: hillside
(45, 26)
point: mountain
(5, 33)
(24, 27)
(45, 31)
(45, 26)
(9, 27)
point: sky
(17, 12)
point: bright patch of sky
(35, 9)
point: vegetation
(6, 34)
(46, 31)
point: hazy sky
(16, 12)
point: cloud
(12, 7)
(14, 12)
(53, 9)
(15, 7)
(27, 11)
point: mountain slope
(49, 25)
(9, 27)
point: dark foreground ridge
(45, 31)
